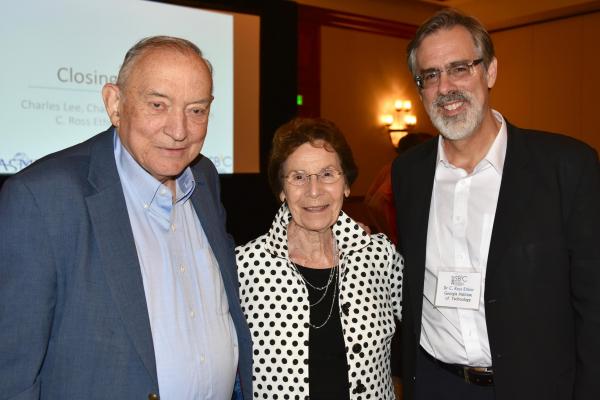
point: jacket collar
(349, 236)
(116, 245)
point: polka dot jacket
(275, 302)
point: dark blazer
(73, 317)
(542, 290)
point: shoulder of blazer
(423, 152)
(548, 147)
(71, 166)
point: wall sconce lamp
(399, 123)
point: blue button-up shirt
(195, 342)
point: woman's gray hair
(153, 43)
(448, 19)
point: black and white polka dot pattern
(275, 302)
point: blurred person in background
(379, 199)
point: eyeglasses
(455, 71)
(300, 178)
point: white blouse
(275, 302)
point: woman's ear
(282, 196)
(346, 191)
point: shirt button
(173, 227)
(202, 359)
(182, 268)
(192, 314)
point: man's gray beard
(460, 126)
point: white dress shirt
(195, 342)
(459, 232)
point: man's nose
(175, 125)
(446, 83)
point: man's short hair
(152, 43)
(448, 19)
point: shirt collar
(148, 192)
(495, 155)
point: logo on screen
(14, 164)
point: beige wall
(361, 76)
(548, 77)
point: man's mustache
(456, 95)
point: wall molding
(310, 21)
(357, 22)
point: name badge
(457, 289)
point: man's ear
(111, 95)
(492, 72)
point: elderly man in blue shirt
(117, 277)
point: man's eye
(459, 69)
(199, 111)
(156, 106)
(327, 173)
(431, 75)
(298, 177)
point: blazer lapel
(207, 212)
(515, 193)
(421, 186)
(110, 222)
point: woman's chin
(321, 225)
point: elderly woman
(319, 292)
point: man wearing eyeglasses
(499, 228)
